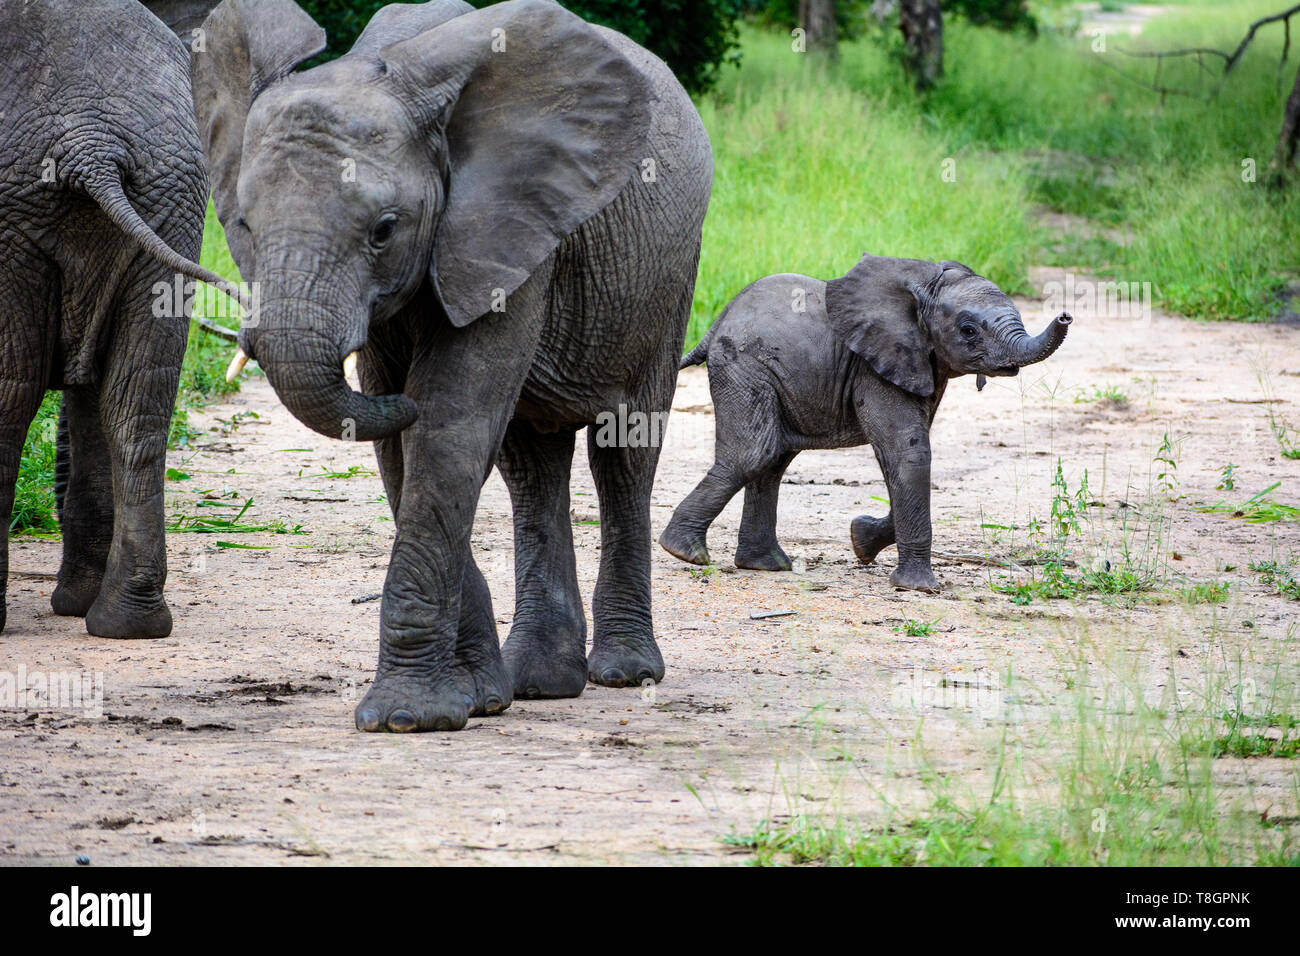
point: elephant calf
(797, 363)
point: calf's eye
(382, 231)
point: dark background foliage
(694, 37)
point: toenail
(401, 721)
(368, 719)
(612, 675)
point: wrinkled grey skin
(865, 362)
(102, 195)
(506, 273)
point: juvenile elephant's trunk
(304, 364)
(1025, 349)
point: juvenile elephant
(797, 363)
(102, 198)
(500, 211)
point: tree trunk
(921, 22)
(817, 17)
(1283, 165)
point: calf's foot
(914, 576)
(870, 536)
(772, 558)
(684, 545)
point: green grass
(815, 165)
(202, 380)
(1115, 768)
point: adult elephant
(102, 198)
(499, 211)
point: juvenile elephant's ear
(182, 17)
(545, 122)
(876, 309)
(401, 21)
(247, 46)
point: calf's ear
(878, 310)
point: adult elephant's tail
(107, 191)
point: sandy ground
(232, 740)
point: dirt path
(232, 740)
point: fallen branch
(207, 325)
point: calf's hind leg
(758, 549)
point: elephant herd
(496, 215)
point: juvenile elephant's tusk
(350, 365)
(236, 365)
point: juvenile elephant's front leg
(439, 661)
(903, 449)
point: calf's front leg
(902, 447)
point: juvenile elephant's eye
(382, 231)
(969, 330)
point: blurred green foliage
(694, 37)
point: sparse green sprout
(1210, 592)
(1226, 481)
(914, 628)
(1281, 578)
(1256, 509)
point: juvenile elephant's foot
(404, 704)
(108, 616)
(914, 576)
(684, 545)
(625, 662)
(870, 536)
(772, 558)
(76, 592)
(540, 671)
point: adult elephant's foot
(485, 684)
(545, 669)
(870, 536)
(400, 704)
(111, 616)
(772, 558)
(914, 576)
(76, 592)
(685, 545)
(625, 661)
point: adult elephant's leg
(86, 503)
(136, 398)
(20, 397)
(466, 383)
(546, 652)
(869, 535)
(623, 647)
(482, 673)
(758, 549)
